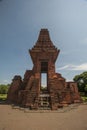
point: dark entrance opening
(44, 67)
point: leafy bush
(84, 99)
(3, 96)
(4, 89)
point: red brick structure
(28, 93)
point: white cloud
(64, 67)
(5, 81)
(81, 67)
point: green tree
(4, 88)
(85, 89)
(81, 80)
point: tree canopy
(4, 88)
(81, 80)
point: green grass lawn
(84, 99)
(3, 96)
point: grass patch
(3, 96)
(84, 99)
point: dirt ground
(64, 119)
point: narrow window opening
(43, 81)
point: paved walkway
(73, 117)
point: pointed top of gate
(44, 38)
(44, 41)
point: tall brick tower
(44, 55)
(30, 93)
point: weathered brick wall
(27, 92)
(14, 89)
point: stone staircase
(44, 100)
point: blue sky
(20, 23)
